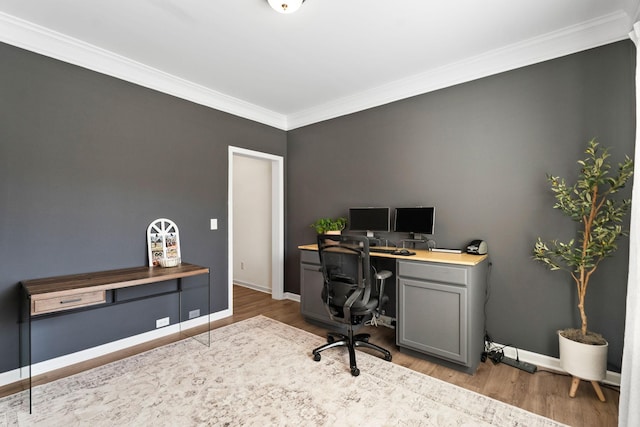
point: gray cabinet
(440, 311)
(311, 282)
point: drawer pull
(69, 301)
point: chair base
(350, 341)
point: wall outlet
(214, 224)
(162, 322)
(194, 313)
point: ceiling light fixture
(285, 6)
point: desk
(57, 295)
(439, 303)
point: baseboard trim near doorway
(256, 287)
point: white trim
(589, 34)
(26, 35)
(104, 349)
(277, 220)
(550, 363)
(254, 286)
(291, 296)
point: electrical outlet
(162, 322)
(194, 313)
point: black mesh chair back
(349, 294)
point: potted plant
(590, 203)
(329, 225)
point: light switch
(214, 223)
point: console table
(57, 295)
(439, 303)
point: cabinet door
(311, 282)
(432, 318)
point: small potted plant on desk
(329, 225)
(589, 202)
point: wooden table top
(423, 255)
(110, 279)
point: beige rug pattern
(258, 372)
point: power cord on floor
(495, 353)
(372, 322)
(492, 351)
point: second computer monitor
(416, 221)
(370, 219)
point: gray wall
(87, 161)
(479, 152)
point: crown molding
(587, 35)
(32, 37)
(597, 32)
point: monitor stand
(412, 241)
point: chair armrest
(349, 302)
(383, 274)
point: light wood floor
(544, 393)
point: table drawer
(68, 302)
(433, 272)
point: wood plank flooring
(544, 393)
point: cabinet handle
(69, 301)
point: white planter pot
(585, 361)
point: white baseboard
(260, 288)
(101, 350)
(551, 363)
(254, 286)
(291, 296)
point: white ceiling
(330, 58)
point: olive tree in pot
(589, 202)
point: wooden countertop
(423, 255)
(105, 280)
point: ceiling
(330, 58)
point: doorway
(275, 165)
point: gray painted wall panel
(80, 154)
(480, 152)
(87, 161)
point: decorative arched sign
(163, 241)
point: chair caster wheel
(330, 339)
(355, 372)
(316, 357)
(387, 357)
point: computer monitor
(418, 220)
(370, 219)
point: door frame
(277, 219)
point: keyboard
(383, 250)
(393, 251)
(450, 251)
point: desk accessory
(163, 242)
(477, 247)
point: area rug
(258, 372)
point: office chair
(348, 293)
